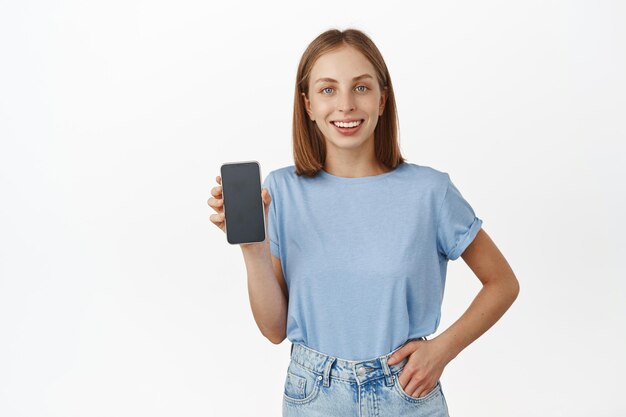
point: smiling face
(343, 88)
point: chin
(347, 143)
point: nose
(346, 102)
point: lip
(347, 120)
(348, 131)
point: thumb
(267, 198)
(400, 354)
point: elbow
(515, 284)
(276, 339)
(507, 286)
(514, 287)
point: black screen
(243, 204)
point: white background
(118, 296)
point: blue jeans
(324, 386)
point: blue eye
(363, 87)
(327, 88)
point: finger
(410, 383)
(217, 218)
(400, 354)
(266, 196)
(403, 379)
(216, 204)
(219, 180)
(412, 388)
(217, 191)
(421, 392)
(416, 393)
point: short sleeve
(457, 225)
(272, 229)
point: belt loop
(329, 363)
(386, 370)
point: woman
(354, 268)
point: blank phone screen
(243, 204)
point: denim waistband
(358, 372)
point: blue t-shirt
(365, 258)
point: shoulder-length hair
(309, 147)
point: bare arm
(266, 285)
(267, 291)
(500, 289)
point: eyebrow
(330, 80)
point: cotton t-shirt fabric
(365, 259)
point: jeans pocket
(301, 384)
(434, 392)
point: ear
(307, 106)
(383, 100)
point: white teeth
(351, 124)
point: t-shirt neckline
(359, 180)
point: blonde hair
(309, 147)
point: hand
(217, 203)
(267, 200)
(423, 368)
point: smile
(349, 124)
(348, 128)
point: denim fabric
(323, 386)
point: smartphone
(243, 204)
